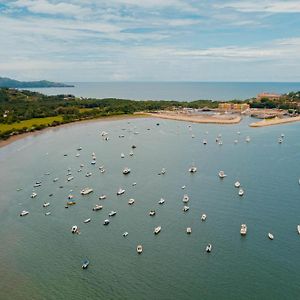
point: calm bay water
(187, 91)
(41, 259)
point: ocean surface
(185, 91)
(41, 259)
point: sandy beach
(213, 119)
(14, 138)
(275, 121)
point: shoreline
(17, 137)
(274, 121)
(198, 119)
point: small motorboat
(79, 149)
(85, 264)
(280, 140)
(55, 179)
(134, 184)
(243, 230)
(161, 201)
(152, 213)
(130, 201)
(126, 171)
(270, 236)
(106, 222)
(87, 221)
(193, 169)
(120, 191)
(86, 191)
(237, 184)
(131, 153)
(203, 217)
(183, 187)
(157, 230)
(74, 229)
(222, 174)
(48, 213)
(97, 207)
(248, 139)
(102, 197)
(241, 192)
(185, 208)
(162, 172)
(185, 198)
(208, 248)
(189, 230)
(70, 196)
(77, 155)
(24, 213)
(139, 249)
(122, 155)
(298, 229)
(37, 184)
(70, 203)
(125, 233)
(88, 174)
(204, 142)
(46, 204)
(70, 178)
(33, 195)
(112, 213)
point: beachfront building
(269, 96)
(226, 106)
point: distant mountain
(11, 83)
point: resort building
(233, 106)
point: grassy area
(29, 123)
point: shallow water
(41, 259)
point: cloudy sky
(150, 40)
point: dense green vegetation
(11, 83)
(17, 106)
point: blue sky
(150, 40)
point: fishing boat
(24, 213)
(139, 249)
(157, 230)
(152, 213)
(87, 220)
(86, 191)
(130, 201)
(46, 204)
(120, 191)
(237, 184)
(270, 236)
(126, 171)
(208, 248)
(203, 217)
(189, 230)
(74, 229)
(222, 174)
(125, 233)
(161, 201)
(243, 230)
(85, 264)
(185, 198)
(97, 207)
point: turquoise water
(41, 259)
(173, 90)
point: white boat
(87, 220)
(122, 155)
(270, 236)
(102, 170)
(185, 208)
(74, 229)
(162, 172)
(79, 170)
(102, 197)
(134, 184)
(161, 201)
(104, 133)
(208, 248)
(152, 213)
(243, 230)
(86, 191)
(33, 195)
(203, 217)
(93, 162)
(193, 169)
(37, 184)
(131, 153)
(106, 222)
(237, 184)
(189, 230)
(241, 192)
(298, 229)
(157, 230)
(77, 155)
(46, 204)
(139, 249)
(125, 233)
(248, 139)
(97, 207)
(185, 198)
(70, 196)
(222, 174)
(112, 213)
(126, 171)
(204, 142)
(24, 213)
(183, 187)
(79, 149)
(220, 143)
(236, 141)
(55, 179)
(88, 174)
(120, 191)
(282, 135)
(130, 201)
(70, 178)
(48, 213)
(85, 264)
